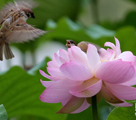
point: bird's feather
(11, 7)
(22, 32)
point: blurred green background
(96, 21)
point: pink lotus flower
(77, 76)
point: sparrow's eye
(71, 41)
(28, 14)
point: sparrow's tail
(7, 51)
(1, 51)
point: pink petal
(64, 102)
(110, 54)
(87, 88)
(55, 72)
(83, 107)
(131, 81)
(127, 56)
(115, 71)
(61, 57)
(103, 53)
(57, 59)
(70, 54)
(53, 64)
(109, 44)
(108, 96)
(118, 51)
(73, 104)
(62, 60)
(64, 54)
(124, 104)
(76, 71)
(93, 56)
(46, 83)
(44, 74)
(47, 76)
(123, 92)
(112, 99)
(76, 54)
(57, 92)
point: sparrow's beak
(68, 44)
(33, 16)
(68, 41)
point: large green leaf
(3, 113)
(41, 66)
(133, 1)
(67, 29)
(29, 118)
(123, 113)
(96, 32)
(55, 9)
(127, 38)
(129, 20)
(2, 2)
(20, 91)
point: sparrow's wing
(26, 4)
(11, 7)
(6, 10)
(22, 32)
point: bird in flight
(14, 28)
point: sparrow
(17, 9)
(82, 45)
(70, 43)
(14, 27)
